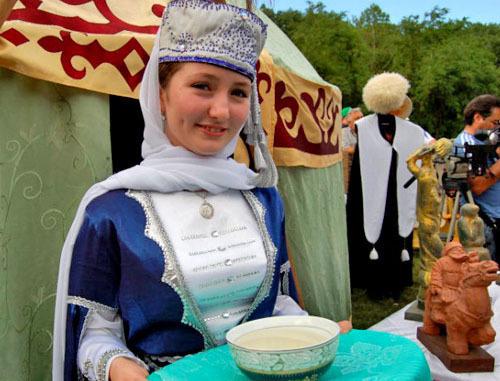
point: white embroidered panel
(222, 259)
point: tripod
(458, 186)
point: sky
(483, 11)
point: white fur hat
(386, 92)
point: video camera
(468, 161)
(489, 137)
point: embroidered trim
(232, 230)
(86, 367)
(285, 282)
(226, 315)
(260, 212)
(212, 283)
(92, 305)
(103, 362)
(214, 233)
(247, 300)
(220, 248)
(241, 244)
(227, 262)
(229, 279)
(228, 295)
(193, 253)
(82, 333)
(206, 60)
(172, 274)
(244, 275)
(155, 363)
(194, 236)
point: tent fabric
(307, 130)
(123, 28)
(316, 233)
(52, 148)
(104, 45)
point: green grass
(366, 312)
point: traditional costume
(381, 212)
(152, 269)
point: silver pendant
(206, 210)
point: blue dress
(123, 262)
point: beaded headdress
(227, 36)
(204, 31)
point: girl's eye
(201, 86)
(240, 93)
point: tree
(448, 62)
(450, 75)
(330, 43)
(380, 38)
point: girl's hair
(166, 71)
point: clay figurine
(471, 231)
(458, 299)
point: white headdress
(387, 92)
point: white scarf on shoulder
(375, 155)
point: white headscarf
(165, 168)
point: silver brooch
(206, 209)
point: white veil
(165, 168)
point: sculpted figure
(428, 209)
(471, 231)
(458, 299)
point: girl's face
(205, 106)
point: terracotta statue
(428, 209)
(458, 299)
(471, 231)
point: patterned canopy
(104, 45)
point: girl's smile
(205, 106)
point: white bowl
(284, 347)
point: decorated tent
(68, 70)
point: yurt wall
(54, 145)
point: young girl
(164, 258)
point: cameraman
(483, 113)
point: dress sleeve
(287, 286)
(94, 327)
(287, 299)
(101, 342)
(285, 305)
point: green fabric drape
(316, 233)
(54, 145)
